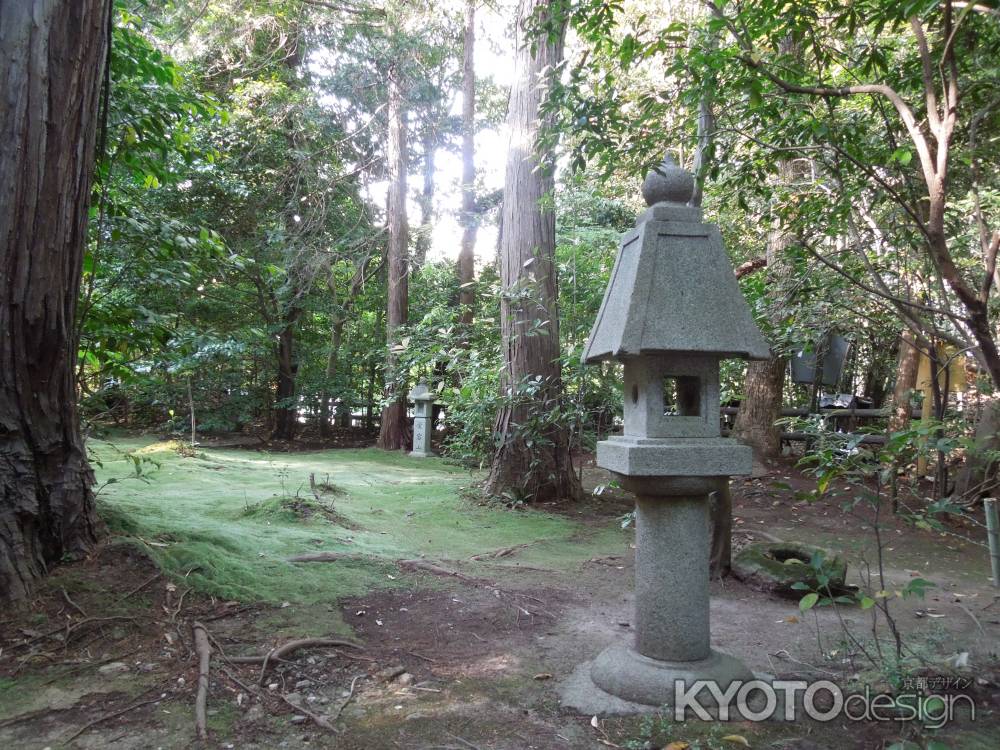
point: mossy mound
(291, 509)
(776, 567)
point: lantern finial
(668, 183)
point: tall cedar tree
(466, 256)
(532, 458)
(394, 431)
(54, 53)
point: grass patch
(233, 518)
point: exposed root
(323, 557)
(106, 717)
(496, 554)
(428, 567)
(204, 650)
(276, 653)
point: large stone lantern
(672, 311)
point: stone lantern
(423, 420)
(672, 311)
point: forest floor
(468, 615)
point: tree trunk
(532, 459)
(761, 407)
(906, 381)
(53, 54)
(720, 560)
(762, 392)
(879, 371)
(978, 475)
(285, 406)
(332, 360)
(394, 431)
(423, 242)
(469, 217)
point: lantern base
(621, 681)
(421, 454)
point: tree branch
(926, 69)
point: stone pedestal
(672, 639)
(423, 421)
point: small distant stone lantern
(672, 311)
(423, 420)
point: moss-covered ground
(233, 518)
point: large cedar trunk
(469, 219)
(761, 407)
(426, 200)
(532, 458)
(286, 409)
(53, 54)
(394, 431)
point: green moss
(221, 515)
(776, 567)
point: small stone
(295, 698)
(255, 713)
(115, 667)
(304, 684)
(297, 719)
(405, 679)
(273, 686)
(390, 673)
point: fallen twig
(112, 715)
(315, 718)
(180, 603)
(204, 650)
(421, 656)
(974, 618)
(87, 665)
(138, 588)
(72, 627)
(462, 740)
(28, 716)
(73, 604)
(347, 700)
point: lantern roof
(421, 392)
(672, 288)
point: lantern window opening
(682, 396)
